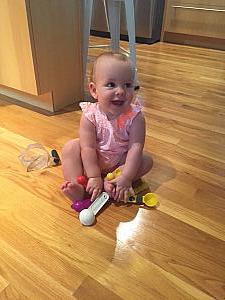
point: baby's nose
(120, 90)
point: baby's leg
(72, 167)
(145, 167)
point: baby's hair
(117, 55)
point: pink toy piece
(79, 205)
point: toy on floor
(55, 156)
(87, 216)
(149, 199)
(79, 205)
(116, 173)
(82, 180)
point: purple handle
(79, 205)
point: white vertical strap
(88, 4)
(129, 6)
(114, 23)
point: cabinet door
(16, 63)
(199, 17)
(56, 35)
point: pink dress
(112, 136)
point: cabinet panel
(16, 63)
(200, 3)
(197, 20)
(41, 52)
(56, 38)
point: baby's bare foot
(109, 188)
(73, 190)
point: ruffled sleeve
(136, 108)
(89, 110)
(126, 119)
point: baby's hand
(94, 187)
(123, 188)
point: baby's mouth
(117, 102)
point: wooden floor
(174, 252)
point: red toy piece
(82, 180)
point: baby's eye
(110, 84)
(128, 85)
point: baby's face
(114, 85)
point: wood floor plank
(192, 218)
(91, 289)
(185, 259)
(196, 122)
(12, 293)
(3, 284)
(187, 162)
(173, 132)
(20, 216)
(198, 198)
(32, 280)
(173, 252)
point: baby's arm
(89, 157)
(136, 145)
(133, 159)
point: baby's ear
(92, 89)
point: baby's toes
(65, 185)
